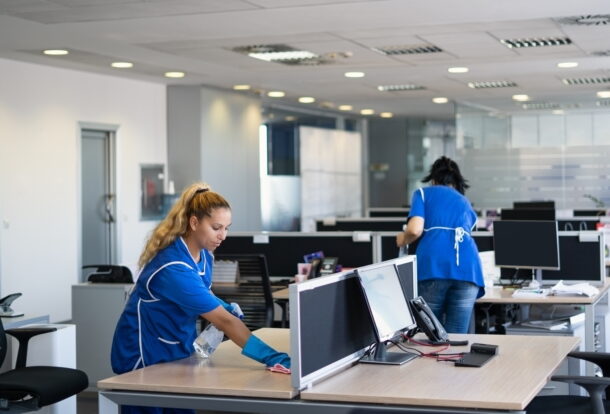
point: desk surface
(227, 372)
(498, 294)
(507, 382)
(281, 294)
(11, 323)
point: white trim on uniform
(168, 342)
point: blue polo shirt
(446, 250)
(158, 323)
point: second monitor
(389, 310)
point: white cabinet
(96, 308)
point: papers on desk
(530, 293)
(552, 325)
(579, 289)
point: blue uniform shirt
(446, 250)
(158, 323)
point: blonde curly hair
(196, 200)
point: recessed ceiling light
(55, 52)
(307, 99)
(521, 98)
(174, 74)
(122, 65)
(345, 107)
(276, 94)
(354, 74)
(440, 100)
(241, 87)
(284, 56)
(558, 112)
(367, 111)
(386, 114)
(458, 69)
(290, 118)
(567, 65)
(603, 94)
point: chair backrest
(109, 274)
(253, 294)
(3, 343)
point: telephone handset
(428, 323)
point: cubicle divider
(284, 250)
(387, 244)
(330, 325)
(375, 224)
(387, 212)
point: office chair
(25, 389)
(595, 386)
(253, 294)
(109, 274)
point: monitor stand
(382, 356)
(536, 282)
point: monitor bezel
(529, 266)
(396, 333)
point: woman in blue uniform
(449, 272)
(158, 323)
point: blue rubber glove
(263, 353)
(231, 308)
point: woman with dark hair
(449, 272)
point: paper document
(530, 293)
(579, 289)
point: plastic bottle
(207, 341)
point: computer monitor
(526, 245)
(527, 214)
(537, 205)
(389, 310)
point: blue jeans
(452, 301)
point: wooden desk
(232, 382)
(507, 382)
(281, 294)
(498, 295)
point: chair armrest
(601, 359)
(595, 386)
(23, 335)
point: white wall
(40, 110)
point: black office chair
(595, 386)
(109, 274)
(31, 388)
(253, 294)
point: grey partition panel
(330, 326)
(285, 250)
(362, 224)
(483, 240)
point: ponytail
(196, 200)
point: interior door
(98, 199)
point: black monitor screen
(545, 205)
(527, 214)
(580, 260)
(526, 244)
(407, 279)
(362, 225)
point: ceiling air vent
(282, 53)
(603, 53)
(397, 88)
(537, 106)
(492, 84)
(605, 103)
(586, 20)
(536, 42)
(408, 49)
(596, 80)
